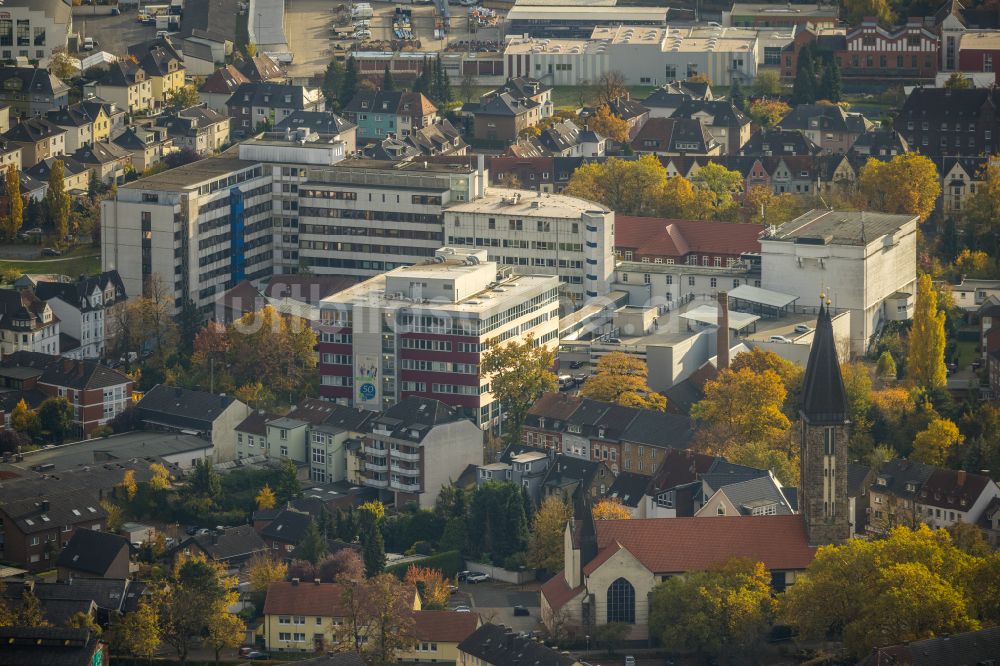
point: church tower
(823, 456)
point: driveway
(495, 603)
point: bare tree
(610, 86)
(467, 89)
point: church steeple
(823, 456)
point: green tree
(57, 202)
(388, 83)
(545, 547)
(859, 10)
(767, 84)
(441, 86)
(313, 546)
(886, 367)
(723, 184)
(925, 357)
(55, 415)
(519, 372)
(829, 86)
(205, 480)
(913, 584)
(498, 523)
(611, 635)
(804, 87)
(15, 217)
(736, 95)
(422, 84)
(958, 81)
(333, 85)
(189, 323)
(621, 379)
(720, 613)
(349, 84)
(184, 97)
(372, 542)
(934, 445)
(287, 487)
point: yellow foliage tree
(741, 406)
(932, 446)
(161, 477)
(925, 358)
(139, 632)
(434, 588)
(881, 10)
(519, 372)
(113, 516)
(128, 485)
(629, 187)
(263, 570)
(611, 509)
(906, 184)
(608, 125)
(621, 379)
(768, 112)
(266, 498)
(22, 418)
(973, 263)
(545, 546)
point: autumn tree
(858, 387)
(886, 366)
(23, 419)
(933, 445)
(611, 509)
(432, 585)
(265, 498)
(762, 206)
(608, 125)
(138, 633)
(723, 184)
(974, 264)
(184, 97)
(224, 630)
(128, 484)
(519, 372)
(82, 620)
(768, 112)
(345, 564)
(57, 201)
(11, 223)
(741, 406)
(161, 477)
(610, 86)
(881, 10)
(906, 184)
(628, 187)
(925, 358)
(911, 585)
(545, 546)
(767, 83)
(958, 81)
(621, 379)
(113, 515)
(61, 65)
(720, 613)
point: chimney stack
(961, 477)
(722, 335)
(295, 582)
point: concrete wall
(224, 431)
(670, 364)
(447, 451)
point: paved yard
(114, 34)
(495, 603)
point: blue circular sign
(367, 391)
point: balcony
(405, 487)
(371, 450)
(375, 467)
(381, 431)
(409, 471)
(402, 455)
(377, 483)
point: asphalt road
(495, 603)
(114, 34)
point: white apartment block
(865, 263)
(548, 234)
(667, 285)
(421, 331)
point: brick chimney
(722, 335)
(961, 477)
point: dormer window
(364, 105)
(881, 481)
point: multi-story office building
(368, 216)
(32, 29)
(421, 330)
(549, 234)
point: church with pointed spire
(823, 498)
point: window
(690, 280)
(621, 602)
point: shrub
(448, 563)
(102, 431)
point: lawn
(85, 260)
(965, 353)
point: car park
(576, 364)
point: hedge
(448, 563)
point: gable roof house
(827, 125)
(324, 123)
(893, 494)
(252, 104)
(675, 136)
(729, 126)
(31, 646)
(198, 128)
(380, 113)
(502, 116)
(262, 69)
(107, 161)
(437, 634)
(951, 496)
(31, 91)
(126, 84)
(93, 554)
(147, 145)
(98, 393)
(76, 177)
(498, 645)
(78, 124)
(694, 242)
(213, 417)
(234, 547)
(665, 100)
(38, 139)
(219, 86)
(27, 323)
(284, 531)
(210, 23)
(779, 141)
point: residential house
(960, 176)
(102, 598)
(417, 446)
(177, 409)
(438, 138)
(262, 69)
(437, 635)
(629, 489)
(656, 240)
(498, 645)
(232, 547)
(255, 104)
(761, 496)
(94, 554)
(972, 295)
(379, 113)
(729, 126)
(330, 440)
(611, 566)
(220, 86)
(146, 144)
(300, 616)
(502, 117)
(560, 139)
(52, 645)
(283, 531)
(99, 110)
(210, 24)
(970, 647)
(951, 496)
(524, 466)
(990, 523)
(79, 125)
(38, 139)
(675, 136)
(779, 141)
(31, 91)
(10, 153)
(251, 435)
(859, 480)
(127, 85)
(894, 493)
(324, 123)
(98, 393)
(82, 306)
(27, 323)
(942, 122)
(880, 143)
(665, 100)
(76, 176)
(198, 128)
(571, 478)
(107, 161)
(43, 27)
(827, 125)
(633, 113)
(165, 71)
(691, 480)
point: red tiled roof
(558, 592)
(657, 236)
(443, 626)
(555, 405)
(676, 545)
(306, 598)
(953, 489)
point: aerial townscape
(499, 332)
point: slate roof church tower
(823, 500)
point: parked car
(258, 655)
(521, 611)
(462, 609)
(453, 589)
(477, 577)
(576, 364)
(779, 338)
(614, 341)
(629, 660)
(362, 34)
(88, 43)
(462, 575)
(803, 328)
(566, 382)
(51, 252)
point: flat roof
(831, 11)
(709, 314)
(980, 39)
(578, 13)
(191, 174)
(773, 299)
(825, 227)
(665, 40)
(137, 444)
(535, 204)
